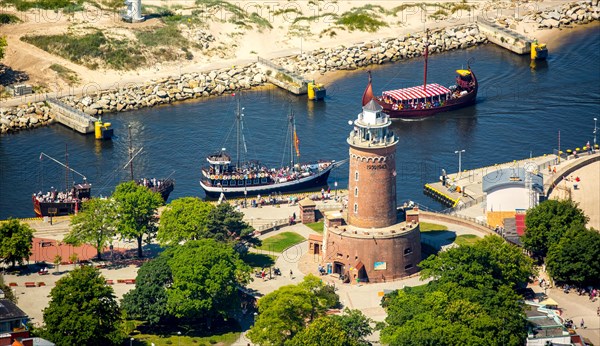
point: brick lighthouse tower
(369, 242)
(372, 181)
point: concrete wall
(506, 199)
(504, 37)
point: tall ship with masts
(419, 102)
(227, 177)
(59, 203)
(162, 186)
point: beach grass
(7, 18)
(280, 242)
(65, 73)
(24, 5)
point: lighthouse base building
(371, 241)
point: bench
(13, 284)
(120, 281)
(130, 281)
(109, 282)
(40, 284)
(30, 284)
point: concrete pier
(504, 37)
(283, 78)
(71, 117)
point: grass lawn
(466, 239)
(259, 260)
(183, 340)
(428, 227)
(282, 241)
(316, 226)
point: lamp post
(459, 152)
(245, 193)
(335, 184)
(130, 341)
(595, 131)
(179, 338)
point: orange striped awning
(417, 92)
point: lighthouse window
(407, 251)
(356, 175)
(356, 192)
(408, 266)
(356, 207)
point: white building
(511, 189)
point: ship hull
(165, 189)
(42, 209)
(417, 114)
(301, 185)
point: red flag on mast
(296, 143)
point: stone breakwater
(381, 51)
(563, 16)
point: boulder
(161, 93)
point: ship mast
(66, 166)
(130, 153)
(238, 118)
(426, 56)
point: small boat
(225, 178)
(59, 203)
(425, 100)
(162, 186)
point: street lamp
(459, 152)
(335, 184)
(130, 341)
(595, 131)
(179, 338)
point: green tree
(575, 259)
(148, 301)
(288, 310)
(184, 219)
(82, 311)
(206, 276)
(227, 225)
(8, 292)
(137, 206)
(95, 224)
(349, 329)
(57, 260)
(3, 45)
(15, 241)
(546, 223)
(490, 261)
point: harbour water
(519, 112)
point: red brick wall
(376, 198)
(369, 251)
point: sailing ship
(223, 177)
(419, 102)
(162, 186)
(59, 203)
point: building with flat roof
(368, 242)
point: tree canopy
(206, 275)
(148, 301)
(575, 259)
(547, 222)
(3, 45)
(95, 224)
(349, 329)
(287, 311)
(184, 219)
(227, 224)
(82, 311)
(137, 206)
(471, 301)
(15, 241)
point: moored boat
(225, 178)
(59, 203)
(162, 186)
(425, 100)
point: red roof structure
(417, 92)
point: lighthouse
(370, 240)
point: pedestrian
(291, 274)
(582, 323)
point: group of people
(412, 104)
(150, 183)
(55, 196)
